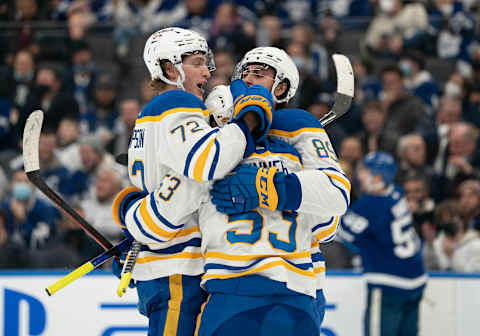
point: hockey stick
(128, 268)
(87, 267)
(31, 162)
(345, 88)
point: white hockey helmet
(171, 44)
(220, 104)
(279, 60)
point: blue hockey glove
(249, 187)
(255, 99)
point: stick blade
(344, 70)
(31, 138)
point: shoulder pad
(291, 120)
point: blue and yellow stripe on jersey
(335, 176)
(118, 203)
(325, 232)
(290, 123)
(167, 103)
(199, 163)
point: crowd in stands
(428, 117)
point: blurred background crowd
(417, 96)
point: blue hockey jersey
(381, 227)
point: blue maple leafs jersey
(381, 227)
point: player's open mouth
(201, 86)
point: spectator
(132, 17)
(309, 85)
(70, 248)
(458, 248)
(412, 156)
(351, 151)
(269, 32)
(17, 82)
(12, 252)
(367, 86)
(224, 63)
(373, 120)
(48, 96)
(461, 160)
(129, 110)
(80, 78)
(29, 220)
(68, 132)
(405, 113)
(469, 203)
(228, 31)
(472, 112)
(102, 113)
(395, 26)
(198, 16)
(98, 207)
(93, 160)
(418, 80)
(317, 54)
(417, 190)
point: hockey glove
(256, 99)
(249, 187)
(122, 202)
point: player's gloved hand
(256, 99)
(250, 187)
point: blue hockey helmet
(383, 164)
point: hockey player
(379, 224)
(273, 68)
(172, 134)
(177, 187)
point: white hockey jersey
(167, 220)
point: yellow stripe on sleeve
(151, 224)
(293, 134)
(262, 268)
(320, 269)
(181, 255)
(118, 201)
(342, 180)
(202, 159)
(329, 231)
(172, 111)
(176, 297)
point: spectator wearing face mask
(457, 248)
(49, 95)
(81, 77)
(29, 220)
(418, 80)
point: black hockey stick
(345, 88)
(31, 138)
